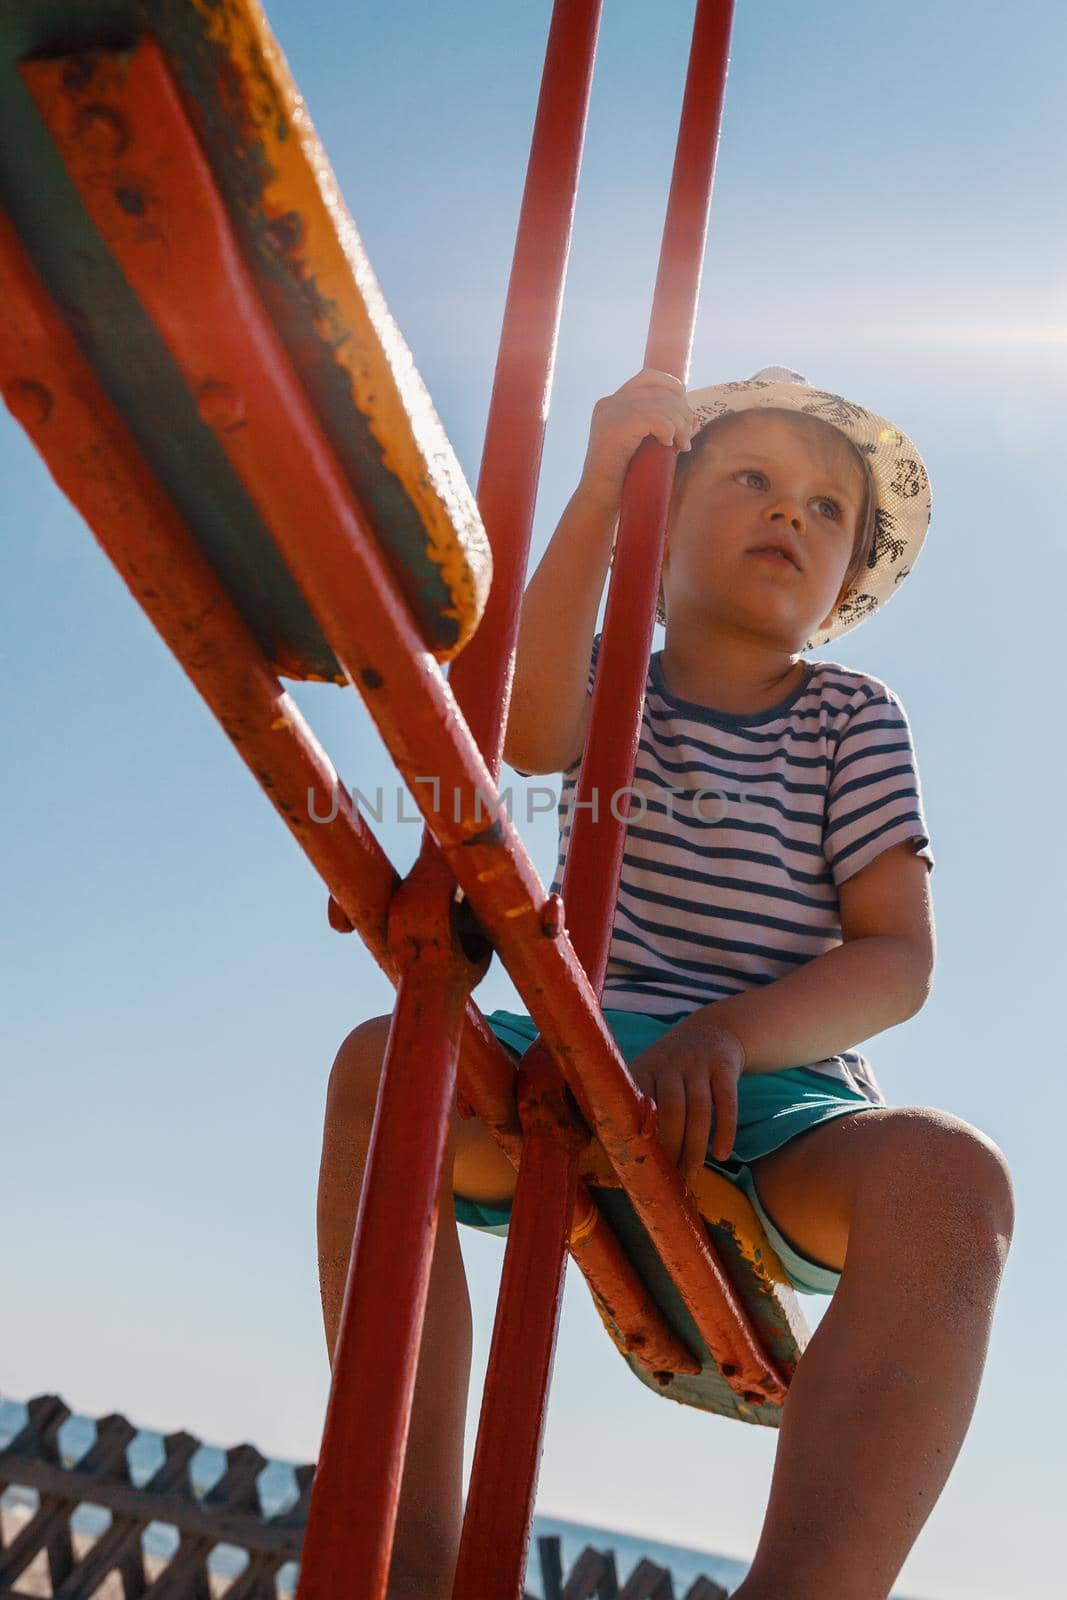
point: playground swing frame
(472, 889)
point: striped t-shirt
(750, 824)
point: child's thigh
(480, 1169)
(887, 1168)
(807, 1187)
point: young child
(774, 911)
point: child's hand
(653, 404)
(689, 1073)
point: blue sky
(890, 220)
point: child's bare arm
(878, 976)
(548, 712)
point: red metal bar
(285, 464)
(54, 394)
(511, 458)
(685, 228)
(496, 1528)
(500, 1503)
(353, 1507)
(500, 1498)
(594, 859)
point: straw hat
(902, 488)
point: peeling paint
(303, 210)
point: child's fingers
(628, 408)
(661, 403)
(653, 377)
(724, 1097)
(636, 416)
(682, 420)
(670, 1111)
(652, 405)
(697, 1126)
(669, 431)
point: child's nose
(790, 511)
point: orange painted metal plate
(309, 270)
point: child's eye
(826, 506)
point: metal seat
(67, 71)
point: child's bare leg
(884, 1394)
(429, 1514)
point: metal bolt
(754, 1398)
(101, 131)
(220, 406)
(29, 403)
(131, 199)
(552, 917)
(728, 1369)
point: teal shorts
(773, 1107)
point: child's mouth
(775, 555)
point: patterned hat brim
(901, 484)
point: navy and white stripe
(731, 890)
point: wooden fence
(72, 1529)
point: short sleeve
(875, 798)
(594, 652)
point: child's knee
(357, 1068)
(954, 1174)
(983, 1177)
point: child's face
(762, 529)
